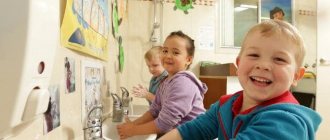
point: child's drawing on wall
(52, 115)
(70, 82)
(91, 85)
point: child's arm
(128, 129)
(141, 126)
(146, 117)
(172, 135)
(150, 97)
(204, 126)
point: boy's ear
(237, 64)
(299, 74)
(237, 61)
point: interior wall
(323, 96)
(71, 104)
(307, 25)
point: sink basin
(110, 132)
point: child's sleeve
(177, 103)
(155, 106)
(205, 126)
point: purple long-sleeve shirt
(178, 99)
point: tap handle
(116, 99)
(114, 96)
(124, 92)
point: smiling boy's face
(267, 67)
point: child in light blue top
(155, 81)
(152, 58)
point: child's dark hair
(190, 42)
(275, 10)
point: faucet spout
(117, 108)
(99, 106)
(93, 129)
(125, 97)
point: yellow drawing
(85, 27)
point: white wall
(323, 69)
(306, 24)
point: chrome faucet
(117, 110)
(120, 105)
(127, 105)
(125, 99)
(93, 128)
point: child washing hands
(152, 59)
(179, 97)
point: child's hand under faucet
(127, 120)
(127, 126)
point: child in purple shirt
(179, 97)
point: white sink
(109, 130)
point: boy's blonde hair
(285, 30)
(152, 53)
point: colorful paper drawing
(52, 114)
(116, 20)
(91, 85)
(70, 80)
(122, 8)
(205, 37)
(121, 58)
(85, 27)
(271, 7)
(183, 5)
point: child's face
(174, 56)
(155, 66)
(267, 67)
(278, 16)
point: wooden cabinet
(215, 77)
(217, 86)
